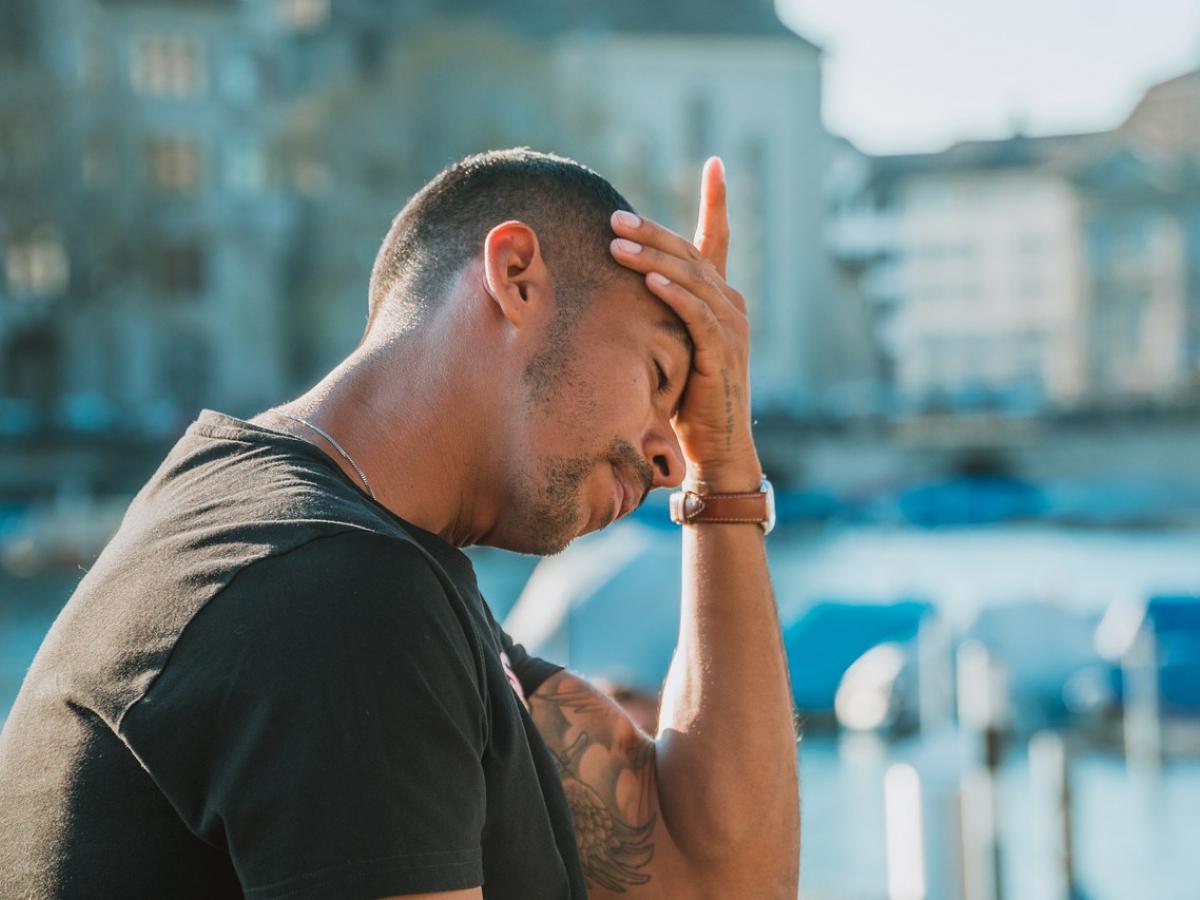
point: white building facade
(665, 103)
(988, 264)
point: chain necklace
(336, 446)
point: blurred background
(969, 233)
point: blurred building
(1139, 328)
(670, 85)
(1035, 274)
(144, 251)
(1166, 119)
(193, 192)
(1165, 125)
(989, 294)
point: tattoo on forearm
(728, 409)
(607, 771)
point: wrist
(731, 500)
(726, 478)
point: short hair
(443, 227)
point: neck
(407, 418)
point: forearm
(726, 750)
(725, 755)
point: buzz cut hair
(444, 225)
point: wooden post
(935, 675)
(1143, 716)
(983, 713)
(904, 825)
(1050, 782)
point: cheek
(619, 402)
(605, 396)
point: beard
(548, 510)
(549, 518)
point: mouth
(626, 496)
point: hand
(713, 422)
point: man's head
(513, 246)
(444, 225)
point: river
(1135, 838)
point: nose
(665, 455)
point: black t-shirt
(270, 686)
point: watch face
(769, 490)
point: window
(168, 66)
(1032, 245)
(185, 371)
(36, 266)
(173, 162)
(99, 162)
(1030, 288)
(178, 268)
(304, 15)
(245, 167)
(93, 61)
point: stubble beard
(549, 518)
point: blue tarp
(830, 635)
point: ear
(514, 272)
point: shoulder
(341, 620)
(346, 581)
(342, 558)
(343, 603)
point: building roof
(728, 18)
(1164, 124)
(1019, 151)
(1168, 115)
(181, 5)
(550, 18)
(1061, 153)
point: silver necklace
(336, 446)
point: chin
(534, 542)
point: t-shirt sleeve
(531, 671)
(322, 719)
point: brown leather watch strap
(747, 507)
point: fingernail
(626, 246)
(626, 218)
(656, 278)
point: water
(1135, 838)
(962, 570)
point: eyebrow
(677, 330)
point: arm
(710, 805)
(727, 721)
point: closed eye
(664, 383)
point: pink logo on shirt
(512, 678)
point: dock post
(1050, 782)
(1142, 714)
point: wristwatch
(696, 505)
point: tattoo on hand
(728, 409)
(599, 757)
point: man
(279, 679)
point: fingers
(712, 227)
(694, 275)
(697, 315)
(645, 231)
(702, 323)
